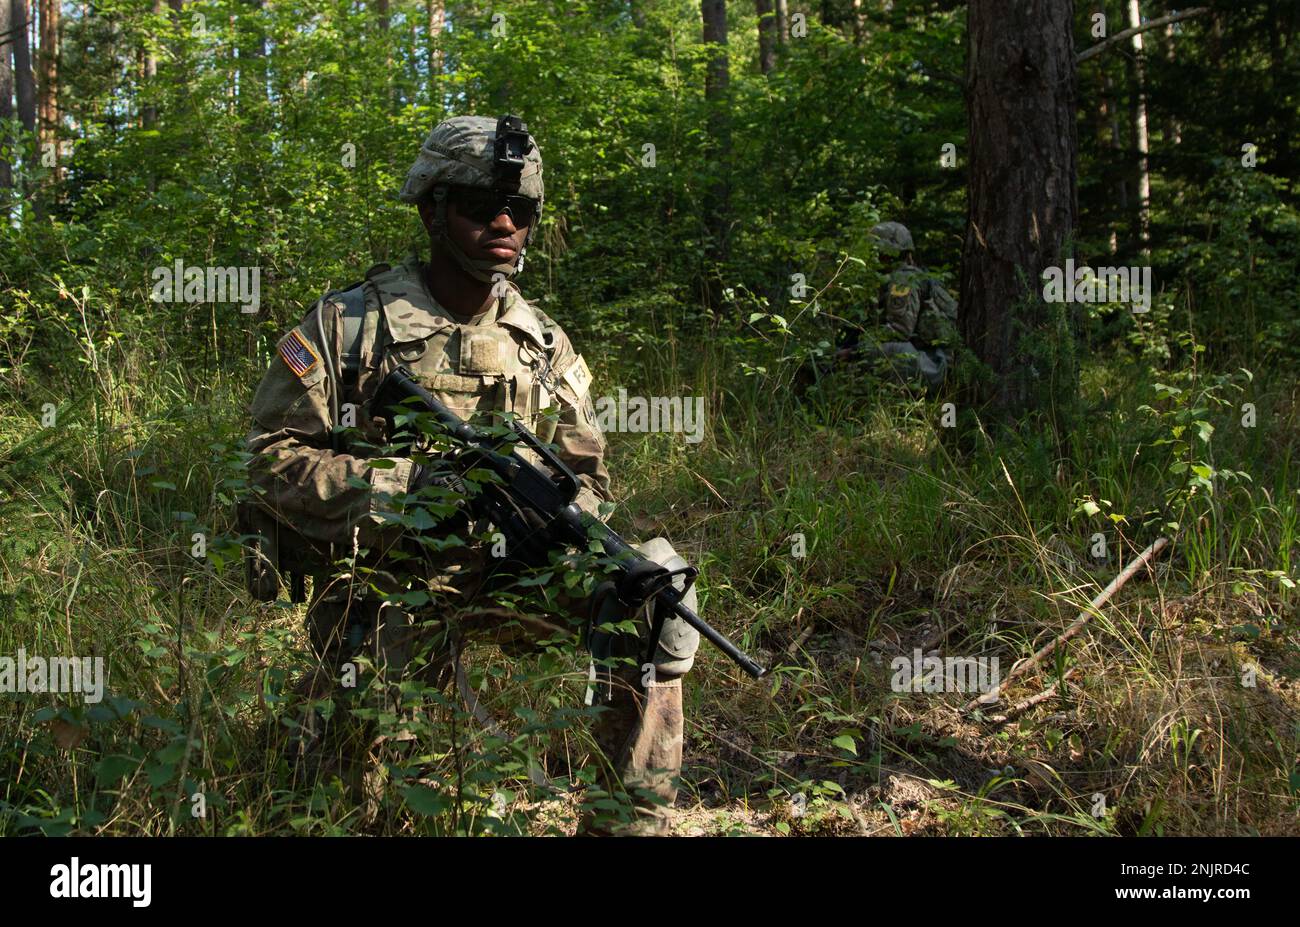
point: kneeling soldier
(462, 327)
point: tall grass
(835, 531)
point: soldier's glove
(439, 474)
(448, 503)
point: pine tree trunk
(381, 10)
(24, 80)
(6, 95)
(1117, 162)
(437, 10)
(149, 114)
(47, 82)
(1115, 141)
(1022, 208)
(715, 93)
(252, 63)
(766, 35)
(1173, 129)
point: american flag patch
(298, 354)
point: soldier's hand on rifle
(437, 472)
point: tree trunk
(1117, 163)
(1115, 141)
(382, 14)
(1022, 204)
(766, 35)
(715, 32)
(1141, 140)
(1173, 129)
(149, 114)
(24, 81)
(47, 81)
(782, 21)
(6, 96)
(437, 10)
(715, 95)
(1281, 45)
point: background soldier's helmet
(892, 237)
(463, 151)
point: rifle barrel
(717, 639)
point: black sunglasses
(483, 206)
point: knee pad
(678, 641)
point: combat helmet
(482, 152)
(892, 237)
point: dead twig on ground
(1075, 627)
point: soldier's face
(497, 240)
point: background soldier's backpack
(919, 309)
(901, 301)
(937, 322)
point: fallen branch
(1134, 30)
(1019, 708)
(801, 640)
(1085, 616)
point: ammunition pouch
(272, 551)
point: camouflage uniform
(915, 308)
(512, 358)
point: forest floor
(835, 533)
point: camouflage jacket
(515, 360)
(916, 306)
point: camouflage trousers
(928, 365)
(641, 728)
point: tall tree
(47, 80)
(715, 33)
(437, 14)
(1022, 204)
(1141, 138)
(1115, 141)
(1173, 132)
(782, 21)
(24, 81)
(252, 47)
(382, 11)
(6, 92)
(767, 37)
(716, 83)
(149, 113)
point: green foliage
(276, 135)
